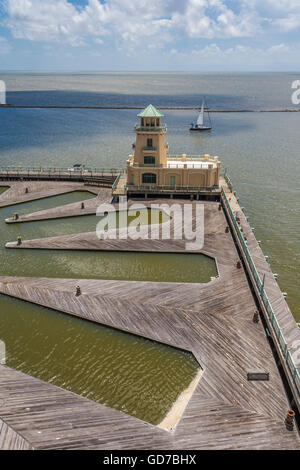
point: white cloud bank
(140, 20)
(214, 30)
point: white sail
(200, 120)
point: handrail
(40, 169)
(269, 309)
(179, 156)
(116, 182)
(160, 128)
(228, 181)
(150, 187)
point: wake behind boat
(200, 125)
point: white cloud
(282, 14)
(60, 20)
(134, 24)
(128, 20)
(212, 19)
(213, 54)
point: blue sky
(142, 35)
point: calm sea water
(260, 150)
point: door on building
(172, 180)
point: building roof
(150, 111)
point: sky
(150, 35)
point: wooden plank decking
(212, 320)
(16, 192)
(284, 316)
(102, 195)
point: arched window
(149, 178)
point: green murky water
(158, 267)
(134, 375)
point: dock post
(78, 291)
(256, 317)
(289, 420)
(19, 241)
(82, 205)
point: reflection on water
(131, 374)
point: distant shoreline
(171, 108)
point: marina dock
(213, 321)
(100, 177)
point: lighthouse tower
(152, 166)
(150, 150)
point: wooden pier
(214, 321)
(92, 177)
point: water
(159, 267)
(261, 151)
(131, 374)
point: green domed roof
(150, 111)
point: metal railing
(193, 157)
(269, 309)
(179, 188)
(116, 181)
(160, 128)
(228, 181)
(179, 157)
(19, 169)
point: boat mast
(210, 125)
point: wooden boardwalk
(214, 321)
(95, 177)
(284, 316)
(16, 192)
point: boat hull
(200, 129)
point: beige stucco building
(152, 165)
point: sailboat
(200, 126)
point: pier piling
(289, 420)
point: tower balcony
(149, 149)
(151, 129)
